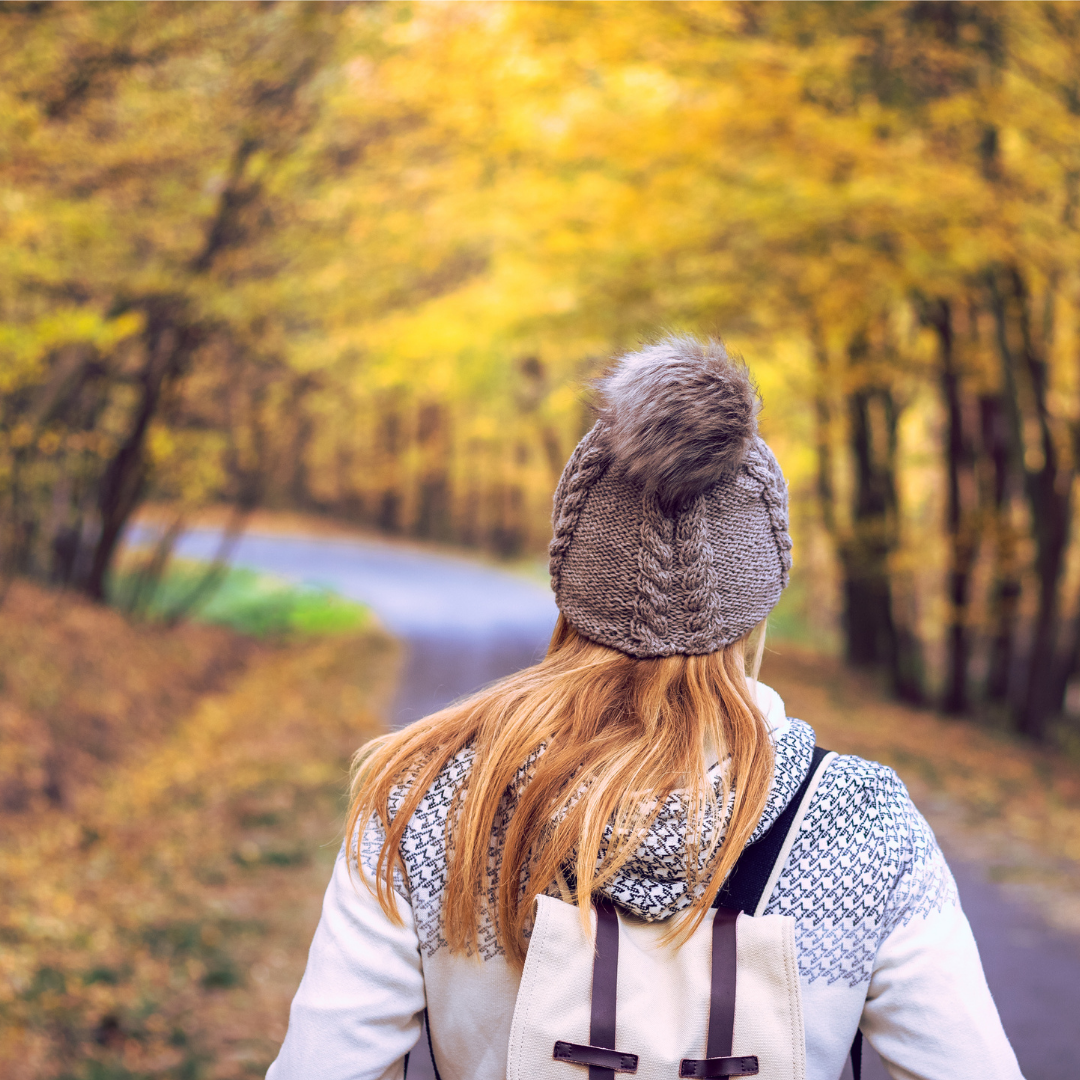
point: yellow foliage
(382, 249)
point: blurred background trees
(360, 259)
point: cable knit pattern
(649, 626)
(697, 559)
(585, 467)
(863, 863)
(762, 466)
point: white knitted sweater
(882, 941)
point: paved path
(465, 624)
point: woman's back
(876, 916)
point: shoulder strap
(754, 876)
(599, 1053)
(431, 1049)
(856, 1055)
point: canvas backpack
(726, 1003)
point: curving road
(465, 624)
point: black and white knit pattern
(863, 863)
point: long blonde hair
(608, 738)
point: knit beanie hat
(670, 519)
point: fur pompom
(678, 417)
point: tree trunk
(1048, 489)
(125, 476)
(433, 519)
(869, 633)
(826, 493)
(868, 621)
(299, 483)
(388, 513)
(960, 521)
(872, 636)
(1006, 587)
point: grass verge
(248, 602)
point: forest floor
(156, 917)
(160, 893)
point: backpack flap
(662, 1002)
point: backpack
(726, 1003)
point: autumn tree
(362, 259)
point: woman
(636, 761)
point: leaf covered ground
(81, 688)
(157, 925)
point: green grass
(246, 601)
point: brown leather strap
(601, 1057)
(719, 1066)
(596, 1055)
(718, 1060)
(605, 981)
(722, 995)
